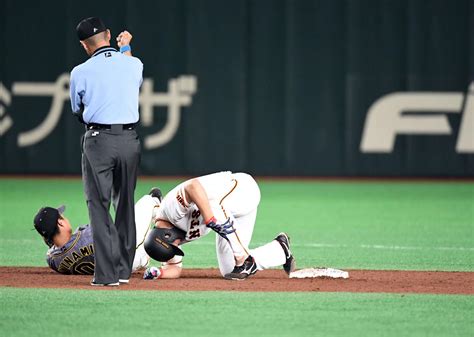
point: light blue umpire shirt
(107, 86)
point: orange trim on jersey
(149, 227)
(144, 237)
(225, 213)
(241, 242)
(225, 196)
(232, 190)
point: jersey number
(83, 268)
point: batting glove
(152, 273)
(222, 229)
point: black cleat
(249, 267)
(155, 192)
(114, 284)
(290, 264)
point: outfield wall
(304, 87)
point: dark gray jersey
(76, 256)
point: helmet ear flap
(159, 243)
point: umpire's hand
(124, 38)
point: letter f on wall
(385, 118)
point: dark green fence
(272, 87)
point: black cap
(89, 27)
(46, 221)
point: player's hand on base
(124, 38)
(222, 229)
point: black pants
(110, 161)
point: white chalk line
(382, 247)
(21, 240)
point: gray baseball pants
(110, 161)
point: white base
(319, 272)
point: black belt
(96, 126)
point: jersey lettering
(194, 231)
(87, 250)
(194, 234)
(80, 261)
(180, 199)
(76, 256)
(67, 261)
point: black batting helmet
(159, 243)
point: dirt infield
(369, 281)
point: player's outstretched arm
(167, 270)
(196, 193)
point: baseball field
(408, 246)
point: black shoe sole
(105, 284)
(236, 277)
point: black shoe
(94, 283)
(249, 267)
(155, 192)
(290, 264)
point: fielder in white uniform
(225, 202)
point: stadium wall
(272, 87)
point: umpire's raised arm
(105, 91)
(123, 41)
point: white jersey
(230, 195)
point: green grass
(365, 225)
(122, 313)
(368, 225)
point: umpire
(104, 95)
